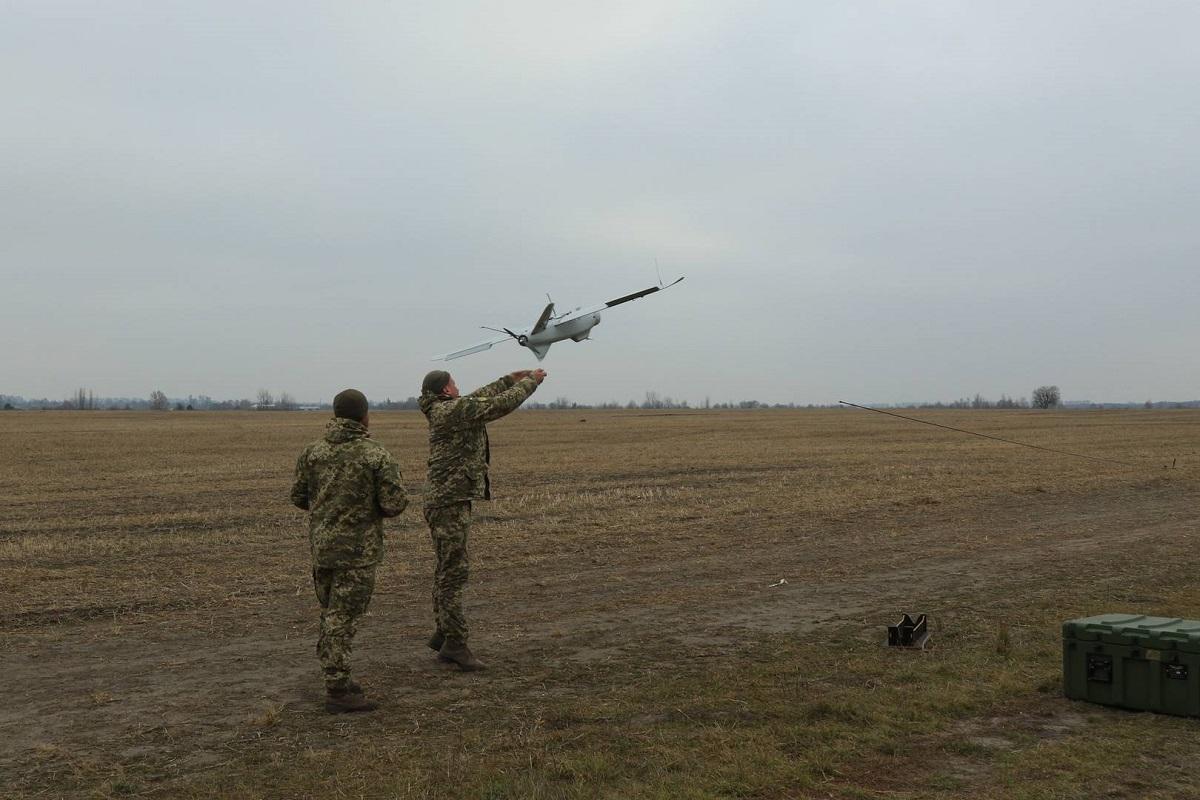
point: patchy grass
(809, 722)
(626, 585)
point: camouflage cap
(435, 382)
(350, 404)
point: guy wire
(996, 438)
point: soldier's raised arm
(472, 409)
(503, 384)
(300, 485)
(389, 489)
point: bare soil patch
(162, 630)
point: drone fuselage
(576, 328)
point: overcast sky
(871, 201)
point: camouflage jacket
(349, 483)
(458, 440)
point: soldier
(458, 474)
(349, 483)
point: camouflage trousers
(344, 595)
(448, 527)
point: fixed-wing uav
(574, 325)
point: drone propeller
(521, 338)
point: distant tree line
(653, 401)
(409, 404)
(86, 400)
(979, 401)
(265, 400)
(1045, 397)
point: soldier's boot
(344, 701)
(351, 686)
(437, 640)
(456, 651)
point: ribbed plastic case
(1135, 662)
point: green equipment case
(1133, 661)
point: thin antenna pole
(996, 438)
(659, 271)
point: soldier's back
(342, 472)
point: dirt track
(162, 624)
(189, 695)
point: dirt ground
(161, 627)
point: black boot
(437, 640)
(342, 701)
(457, 651)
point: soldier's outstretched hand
(519, 374)
(539, 375)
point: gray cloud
(872, 201)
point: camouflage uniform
(458, 474)
(448, 527)
(349, 483)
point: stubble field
(674, 605)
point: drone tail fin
(540, 325)
(540, 350)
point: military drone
(575, 325)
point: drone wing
(625, 299)
(642, 293)
(475, 348)
(540, 325)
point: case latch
(1099, 668)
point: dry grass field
(159, 622)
